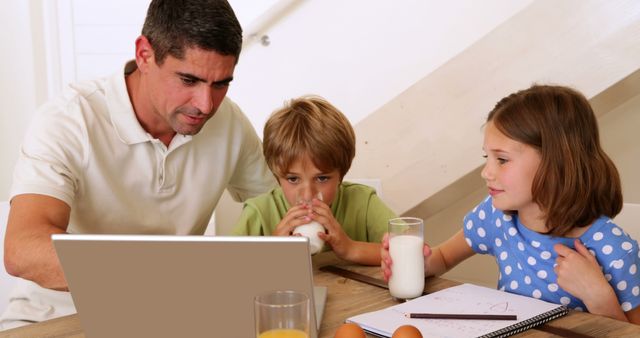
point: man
(133, 153)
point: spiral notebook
(463, 299)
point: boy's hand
(296, 215)
(335, 236)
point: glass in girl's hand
(406, 241)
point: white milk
(407, 267)
(310, 231)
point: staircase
(425, 144)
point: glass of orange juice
(282, 314)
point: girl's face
(509, 171)
(303, 181)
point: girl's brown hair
(311, 126)
(576, 182)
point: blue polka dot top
(526, 258)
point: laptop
(181, 286)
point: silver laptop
(180, 286)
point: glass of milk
(311, 229)
(406, 241)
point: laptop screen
(178, 286)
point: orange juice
(283, 333)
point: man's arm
(28, 249)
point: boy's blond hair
(309, 125)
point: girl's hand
(297, 215)
(335, 236)
(580, 275)
(385, 258)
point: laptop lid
(179, 286)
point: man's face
(184, 94)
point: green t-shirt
(356, 207)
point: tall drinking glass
(282, 314)
(311, 229)
(406, 240)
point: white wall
(620, 136)
(589, 45)
(96, 37)
(358, 53)
(18, 84)
(316, 47)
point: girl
(547, 220)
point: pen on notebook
(460, 316)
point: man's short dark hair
(171, 26)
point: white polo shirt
(88, 149)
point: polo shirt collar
(123, 117)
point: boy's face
(303, 181)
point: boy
(309, 146)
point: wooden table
(348, 297)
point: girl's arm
(447, 255)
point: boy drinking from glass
(309, 146)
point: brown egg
(349, 330)
(406, 331)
